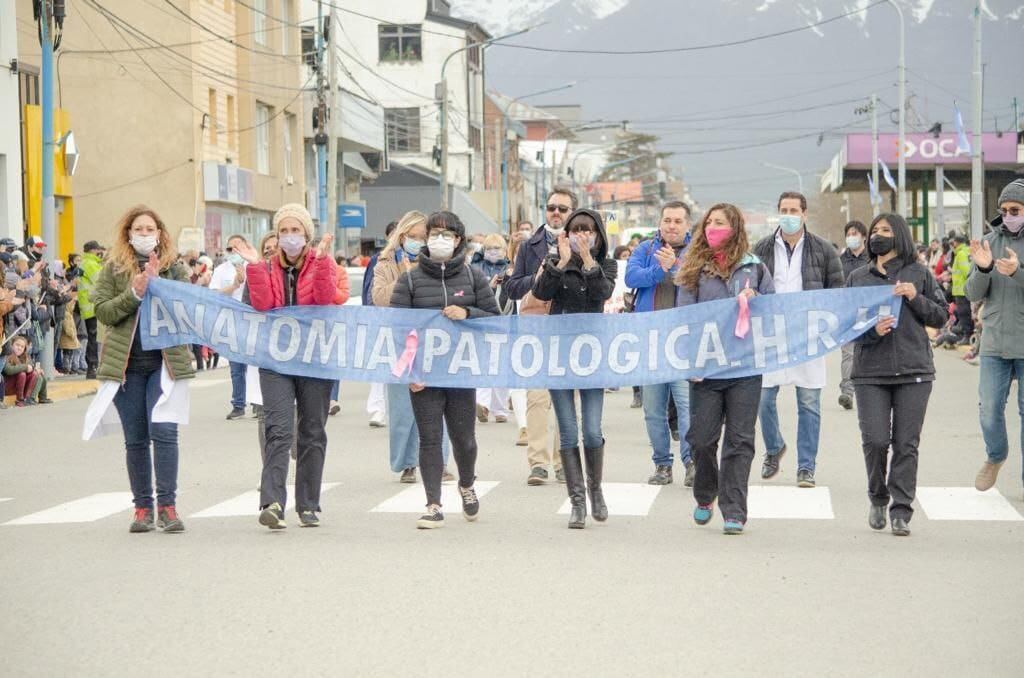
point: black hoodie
(574, 290)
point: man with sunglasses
(531, 255)
(229, 278)
(997, 280)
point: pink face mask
(717, 237)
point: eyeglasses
(561, 209)
(229, 250)
(444, 235)
(1011, 211)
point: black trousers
(92, 349)
(283, 395)
(892, 415)
(731, 403)
(964, 320)
(458, 407)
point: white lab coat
(101, 418)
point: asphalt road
(515, 593)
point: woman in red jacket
(298, 276)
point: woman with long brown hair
(142, 250)
(718, 265)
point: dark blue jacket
(532, 254)
(368, 281)
(643, 272)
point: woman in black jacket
(579, 279)
(893, 370)
(444, 280)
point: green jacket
(118, 309)
(1002, 316)
(91, 266)
(961, 269)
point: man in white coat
(798, 261)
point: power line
(135, 181)
(189, 19)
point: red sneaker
(142, 521)
(168, 520)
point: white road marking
(84, 510)
(624, 499)
(413, 500)
(247, 504)
(3, 499)
(789, 503)
(965, 503)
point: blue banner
(364, 343)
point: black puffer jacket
(820, 265)
(453, 283)
(905, 354)
(574, 290)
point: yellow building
(32, 151)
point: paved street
(809, 590)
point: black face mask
(881, 245)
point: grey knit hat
(1014, 192)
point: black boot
(594, 457)
(574, 483)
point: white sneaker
(378, 420)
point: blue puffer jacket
(643, 272)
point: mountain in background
(786, 100)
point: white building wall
(10, 133)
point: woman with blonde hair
(493, 265)
(142, 250)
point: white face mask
(854, 242)
(441, 248)
(493, 255)
(143, 244)
(554, 231)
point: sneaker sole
(301, 524)
(139, 529)
(732, 530)
(407, 481)
(376, 424)
(173, 527)
(470, 518)
(534, 482)
(334, 410)
(522, 443)
(429, 525)
(268, 519)
(805, 484)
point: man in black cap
(7, 245)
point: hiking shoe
(273, 517)
(538, 476)
(500, 419)
(732, 527)
(805, 478)
(523, 440)
(335, 408)
(770, 467)
(900, 528)
(236, 413)
(482, 413)
(408, 476)
(142, 521)
(446, 477)
(168, 520)
(470, 503)
(703, 513)
(432, 519)
(691, 471)
(986, 477)
(560, 475)
(662, 476)
(846, 402)
(308, 519)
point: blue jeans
(591, 406)
(656, 415)
(237, 385)
(134, 402)
(808, 430)
(403, 435)
(336, 391)
(997, 374)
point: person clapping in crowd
(491, 262)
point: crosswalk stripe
(789, 503)
(965, 503)
(412, 499)
(624, 499)
(246, 504)
(84, 510)
(3, 499)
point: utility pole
(321, 136)
(902, 155)
(977, 165)
(875, 207)
(333, 129)
(49, 39)
(940, 201)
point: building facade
(11, 218)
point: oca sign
(926, 150)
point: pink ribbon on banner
(743, 319)
(404, 364)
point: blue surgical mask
(791, 223)
(236, 259)
(412, 247)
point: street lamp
(901, 157)
(504, 147)
(444, 106)
(799, 178)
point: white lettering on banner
(438, 343)
(862, 319)
(762, 342)
(554, 369)
(711, 347)
(224, 330)
(293, 339)
(494, 343)
(318, 340)
(815, 333)
(360, 354)
(671, 355)
(576, 350)
(181, 314)
(537, 356)
(159, 318)
(254, 320)
(465, 356)
(383, 350)
(652, 350)
(632, 357)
